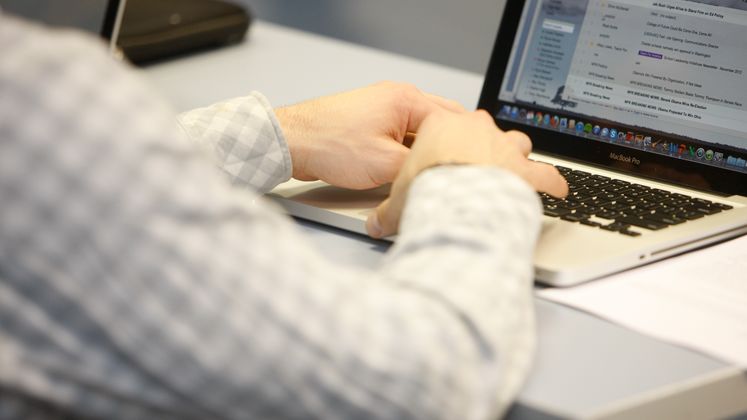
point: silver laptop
(102, 17)
(641, 104)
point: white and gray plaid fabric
(137, 283)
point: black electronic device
(155, 30)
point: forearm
(467, 239)
(444, 330)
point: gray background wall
(451, 32)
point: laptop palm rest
(333, 206)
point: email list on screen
(670, 75)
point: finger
(546, 178)
(447, 104)
(384, 220)
(521, 140)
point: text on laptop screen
(662, 76)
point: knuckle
(408, 90)
(484, 116)
(518, 134)
(386, 84)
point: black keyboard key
(650, 205)
(587, 200)
(575, 217)
(575, 177)
(618, 206)
(677, 204)
(667, 219)
(640, 212)
(630, 233)
(556, 212)
(620, 182)
(583, 193)
(601, 178)
(705, 203)
(723, 206)
(588, 222)
(570, 205)
(615, 227)
(576, 187)
(607, 214)
(642, 222)
(689, 215)
(589, 209)
(614, 188)
(608, 196)
(657, 197)
(708, 211)
(637, 194)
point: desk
(585, 367)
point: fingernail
(373, 226)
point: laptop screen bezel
(597, 153)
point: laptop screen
(96, 16)
(663, 77)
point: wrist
(296, 128)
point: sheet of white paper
(698, 300)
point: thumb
(384, 220)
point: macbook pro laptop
(102, 17)
(641, 105)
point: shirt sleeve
(136, 282)
(244, 139)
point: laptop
(641, 105)
(102, 17)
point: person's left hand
(355, 139)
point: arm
(130, 288)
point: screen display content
(661, 76)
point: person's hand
(355, 139)
(470, 138)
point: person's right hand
(447, 138)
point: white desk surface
(585, 367)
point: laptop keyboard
(618, 206)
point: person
(139, 282)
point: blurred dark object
(157, 29)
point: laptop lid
(101, 17)
(656, 88)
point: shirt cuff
(245, 140)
